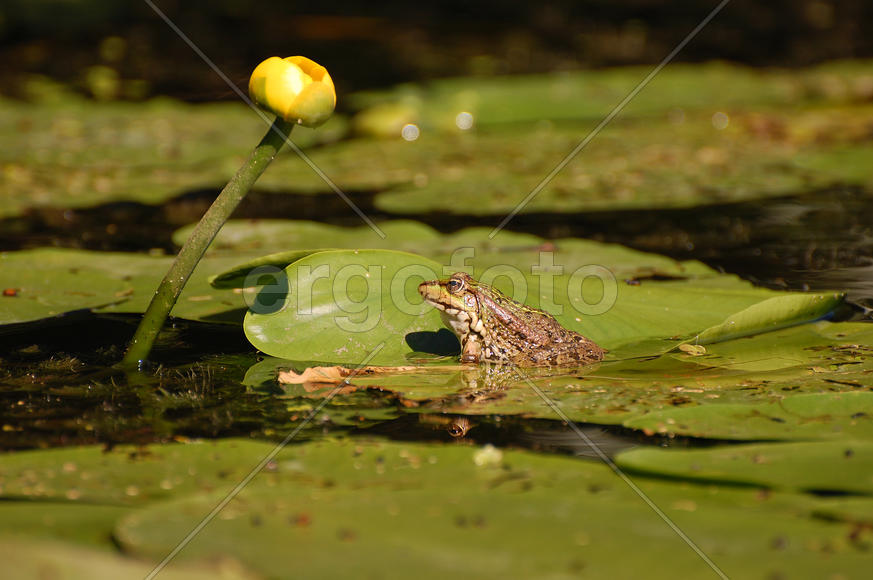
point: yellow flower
(294, 88)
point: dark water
(57, 387)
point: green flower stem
(191, 253)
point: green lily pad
(291, 235)
(250, 274)
(471, 244)
(642, 157)
(856, 510)
(823, 360)
(573, 279)
(826, 466)
(345, 306)
(82, 524)
(89, 475)
(382, 501)
(630, 165)
(662, 151)
(435, 510)
(772, 314)
(51, 281)
(79, 153)
(44, 559)
(805, 416)
(44, 284)
(584, 95)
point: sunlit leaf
(354, 307)
(828, 466)
(46, 282)
(772, 314)
(45, 559)
(434, 510)
(795, 416)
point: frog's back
(533, 337)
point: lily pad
(248, 274)
(346, 306)
(573, 279)
(47, 282)
(44, 284)
(772, 314)
(378, 502)
(82, 524)
(586, 95)
(806, 416)
(826, 466)
(662, 151)
(755, 149)
(381, 501)
(290, 235)
(822, 360)
(79, 153)
(43, 559)
(630, 165)
(467, 245)
(89, 475)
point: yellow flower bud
(294, 88)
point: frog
(494, 328)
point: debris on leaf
(336, 374)
(693, 349)
(488, 456)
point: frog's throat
(465, 324)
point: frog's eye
(455, 286)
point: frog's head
(457, 299)
(456, 293)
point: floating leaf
(84, 524)
(825, 466)
(44, 559)
(586, 95)
(80, 153)
(663, 151)
(583, 295)
(51, 281)
(123, 476)
(291, 235)
(732, 390)
(251, 273)
(377, 502)
(772, 314)
(640, 311)
(42, 284)
(804, 416)
(355, 307)
(473, 244)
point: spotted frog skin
(495, 328)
